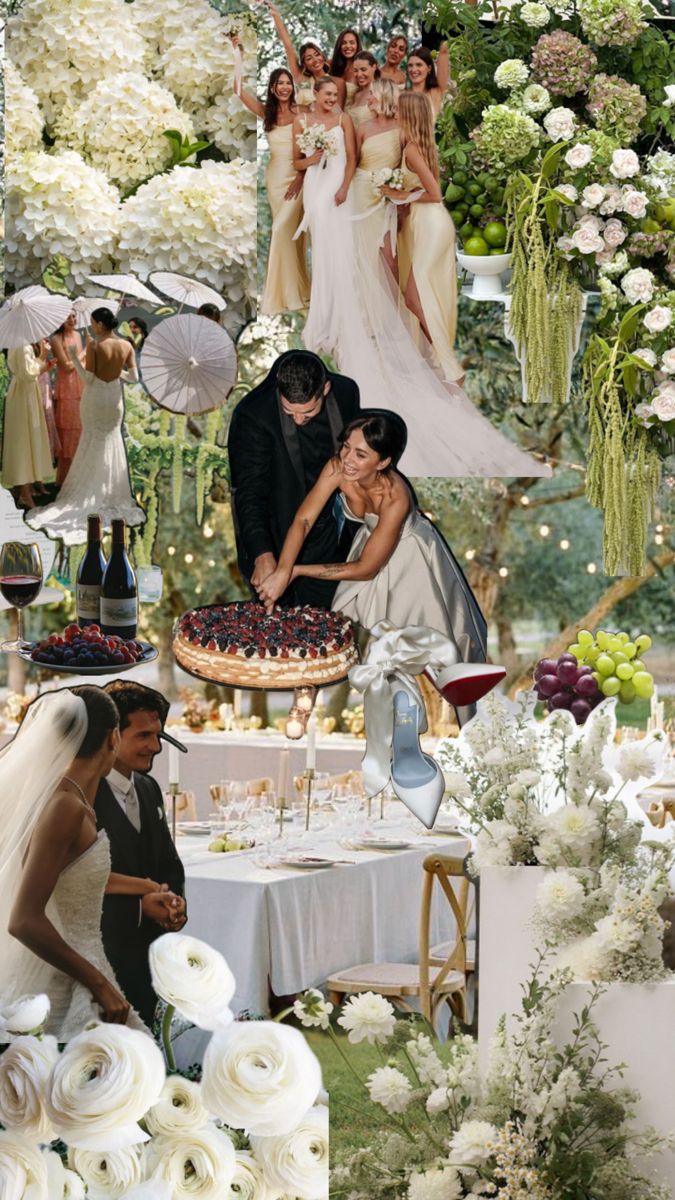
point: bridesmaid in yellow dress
(26, 456)
(427, 239)
(397, 48)
(378, 145)
(287, 279)
(366, 71)
(307, 66)
(347, 46)
(428, 77)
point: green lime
(495, 234)
(453, 193)
(466, 231)
(476, 210)
(476, 246)
(496, 249)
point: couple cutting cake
(322, 515)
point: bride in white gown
(55, 867)
(98, 479)
(357, 317)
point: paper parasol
(28, 318)
(126, 285)
(84, 306)
(188, 364)
(35, 289)
(185, 290)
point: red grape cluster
(87, 647)
(565, 683)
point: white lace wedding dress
(98, 479)
(359, 319)
(76, 904)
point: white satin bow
(394, 657)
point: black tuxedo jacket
(266, 470)
(149, 854)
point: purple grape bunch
(564, 683)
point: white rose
(634, 203)
(647, 356)
(103, 1084)
(390, 1088)
(586, 240)
(23, 1169)
(663, 402)
(25, 1068)
(590, 221)
(470, 1144)
(494, 756)
(564, 245)
(297, 1162)
(568, 190)
(248, 1181)
(625, 164)
(578, 156)
(154, 1189)
(644, 414)
(259, 1076)
(658, 318)
(614, 233)
(593, 195)
(613, 200)
(178, 1109)
(560, 124)
(367, 1017)
(107, 1173)
(668, 361)
(669, 89)
(26, 1015)
(193, 977)
(638, 286)
(198, 1164)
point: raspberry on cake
(242, 645)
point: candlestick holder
(308, 775)
(282, 809)
(174, 792)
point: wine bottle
(119, 595)
(90, 576)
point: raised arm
(303, 522)
(251, 102)
(376, 552)
(350, 166)
(443, 67)
(287, 43)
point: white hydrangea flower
(58, 204)
(390, 1088)
(470, 1144)
(64, 50)
(230, 126)
(119, 128)
(199, 64)
(560, 124)
(439, 1183)
(162, 22)
(535, 15)
(367, 1017)
(511, 74)
(536, 99)
(661, 172)
(24, 121)
(560, 896)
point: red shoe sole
(469, 690)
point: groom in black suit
(281, 436)
(129, 806)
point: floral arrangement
(537, 1124)
(103, 1116)
(314, 138)
(196, 710)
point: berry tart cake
(241, 645)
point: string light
(189, 558)
(171, 550)
(658, 539)
(198, 589)
(659, 528)
(208, 531)
(564, 544)
(544, 530)
(503, 571)
(524, 500)
(591, 568)
(470, 554)
(212, 562)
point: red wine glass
(20, 583)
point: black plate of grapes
(87, 651)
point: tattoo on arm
(331, 570)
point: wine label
(88, 601)
(119, 612)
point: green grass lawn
(353, 1119)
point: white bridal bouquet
(316, 137)
(254, 1126)
(388, 177)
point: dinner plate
(149, 654)
(199, 827)
(305, 862)
(381, 844)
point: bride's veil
(31, 766)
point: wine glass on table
(20, 583)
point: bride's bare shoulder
(64, 812)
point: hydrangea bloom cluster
(24, 120)
(511, 74)
(231, 127)
(563, 64)
(616, 107)
(199, 64)
(536, 100)
(120, 128)
(660, 172)
(504, 137)
(612, 22)
(162, 22)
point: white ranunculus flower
(512, 73)
(560, 896)
(108, 1174)
(625, 164)
(535, 15)
(638, 285)
(313, 1010)
(178, 1109)
(438, 1183)
(578, 156)
(586, 240)
(536, 99)
(297, 1162)
(23, 1169)
(470, 1144)
(25, 1015)
(56, 1174)
(593, 195)
(74, 1187)
(152, 1189)
(560, 124)
(634, 202)
(248, 1181)
(658, 318)
(390, 1088)
(119, 128)
(438, 1101)
(25, 1068)
(193, 977)
(259, 1076)
(668, 361)
(24, 122)
(103, 1084)
(614, 233)
(198, 1165)
(367, 1017)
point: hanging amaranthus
(179, 432)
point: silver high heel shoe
(416, 777)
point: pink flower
(587, 241)
(668, 361)
(634, 202)
(578, 156)
(625, 164)
(638, 285)
(658, 318)
(604, 256)
(647, 356)
(663, 402)
(614, 233)
(591, 221)
(593, 195)
(613, 200)
(644, 412)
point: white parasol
(185, 290)
(26, 319)
(84, 306)
(126, 285)
(188, 364)
(35, 289)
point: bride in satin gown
(399, 568)
(98, 479)
(356, 317)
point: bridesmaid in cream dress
(378, 144)
(397, 48)
(427, 239)
(26, 454)
(428, 77)
(307, 66)
(347, 46)
(366, 71)
(287, 279)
